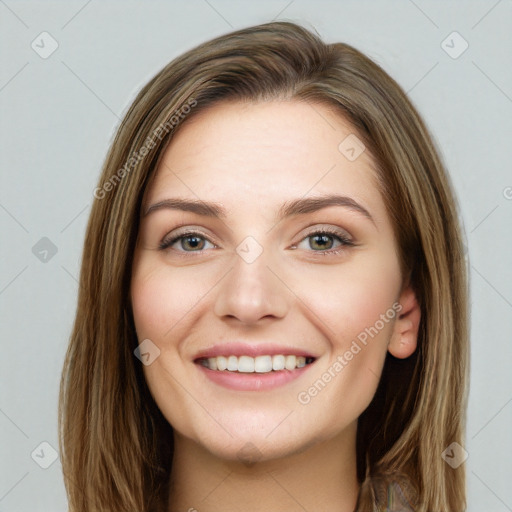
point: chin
(253, 443)
(250, 450)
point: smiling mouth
(258, 364)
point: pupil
(193, 241)
(322, 240)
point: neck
(322, 477)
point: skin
(265, 450)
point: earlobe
(404, 338)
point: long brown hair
(116, 446)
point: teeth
(245, 364)
(290, 363)
(233, 363)
(278, 362)
(262, 364)
(259, 364)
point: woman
(273, 299)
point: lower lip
(253, 381)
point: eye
(323, 241)
(191, 241)
(326, 241)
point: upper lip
(251, 349)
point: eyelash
(342, 238)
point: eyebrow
(290, 208)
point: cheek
(342, 386)
(350, 299)
(162, 302)
(161, 298)
(357, 307)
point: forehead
(263, 152)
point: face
(237, 264)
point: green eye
(326, 241)
(187, 242)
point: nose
(251, 292)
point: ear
(404, 338)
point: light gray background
(58, 118)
